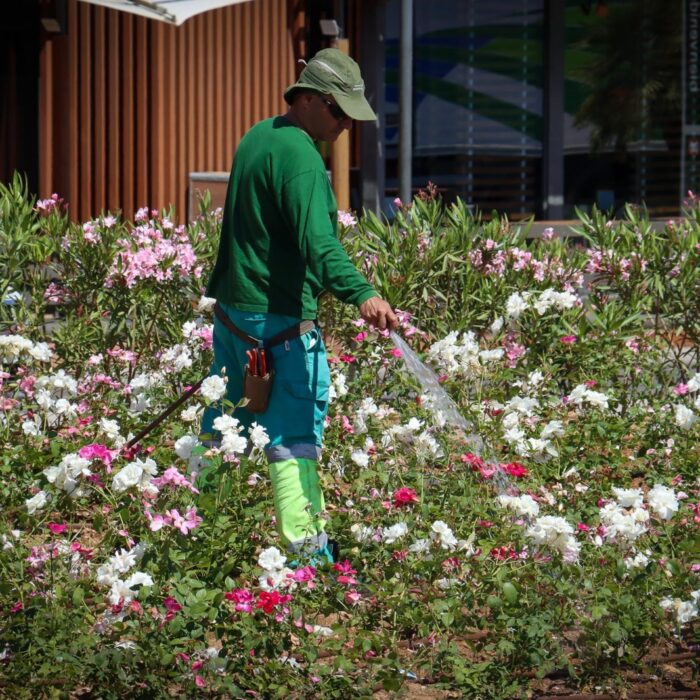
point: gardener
(278, 252)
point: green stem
(146, 341)
(670, 541)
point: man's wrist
(366, 297)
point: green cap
(331, 72)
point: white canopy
(171, 11)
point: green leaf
(78, 596)
(598, 612)
(510, 592)
(494, 602)
(447, 618)
(620, 569)
(673, 567)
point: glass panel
(477, 100)
(623, 104)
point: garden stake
(155, 423)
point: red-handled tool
(252, 361)
(263, 363)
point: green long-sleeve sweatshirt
(278, 248)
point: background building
(114, 111)
(529, 107)
(540, 106)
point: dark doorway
(19, 91)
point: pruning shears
(252, 361)
(257, 362)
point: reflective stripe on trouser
(299, 504)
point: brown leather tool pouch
(257, 391)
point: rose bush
(568, 540)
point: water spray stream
(441, 403)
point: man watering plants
(278, 252)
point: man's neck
(293, 117)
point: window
(477, 100)
(623, 106)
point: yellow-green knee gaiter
(299, 503)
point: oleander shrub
(565, 538)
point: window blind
(477, 100)
(623, 135)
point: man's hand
(377, 312)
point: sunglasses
(334, 109)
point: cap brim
(292, 89)
(355, 106)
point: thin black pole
(553, 136)
(173, 406)
(406, 102)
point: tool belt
(259, 373)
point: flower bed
(569, 545)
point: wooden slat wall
(131, 106)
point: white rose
(491, 355)
(596, 398)
(106, 575)
(110, 428)
(694, 383)
(41, 352)
(258, 436)
(628, 498)
(43, 398)
(578, 394)
(213, 388)
(557, 533)
(514, 435)
(444, 584)
(30, 427)
(442, 533)
(685, 418)
(662, 500)
(185, 445)
(139, 579)
(189, 415)
(128, 476)
(272, 580)
(524, 505)
(360, 458)
(271, 559)
(120, 592)
(420, 547)
(555, 428)
(122, 560)
(545, 301)
(362, 533)
(36, 502)
(515, 306)
(638, 561)
(233, 443)
(206, 304)
(224, 424)
(395, 532)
